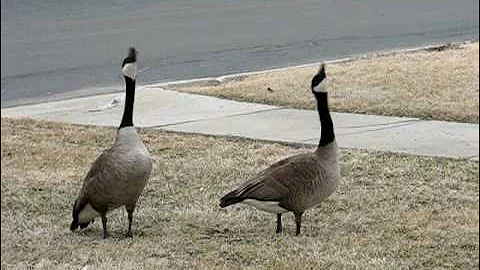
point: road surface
(53, 49)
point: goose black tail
(80, 202)
(74, 225)
(229, 199)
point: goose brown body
(121, 172)
(116, 178)
(299, 182)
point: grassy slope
(390, 212)
(440, 85)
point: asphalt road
(53, 49)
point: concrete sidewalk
(174, 111)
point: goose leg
(279, 223)
(104, 224)
(298, 222)
(130, 219)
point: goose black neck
(127, 119)
(327, 133)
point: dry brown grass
(441, 85)
(390, 211)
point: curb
(208, 81)
(211, 81)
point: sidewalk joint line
(383, 124)
(395, 125)
(391, 125)
(215, 117)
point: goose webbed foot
(104, 224)
(298, 222)
(279, 224)
(130, 220)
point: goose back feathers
(295, 183)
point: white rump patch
(266, 206)
(87, 214)
(321, 87)
(130, 70)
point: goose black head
(132, 53)
(129, 65)
(318, 81)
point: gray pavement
(53, 50)
(175, 111)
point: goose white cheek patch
(321, 87)
(130, 70)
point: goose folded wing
(277, 181)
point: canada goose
(299, 182)
(119, 174)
